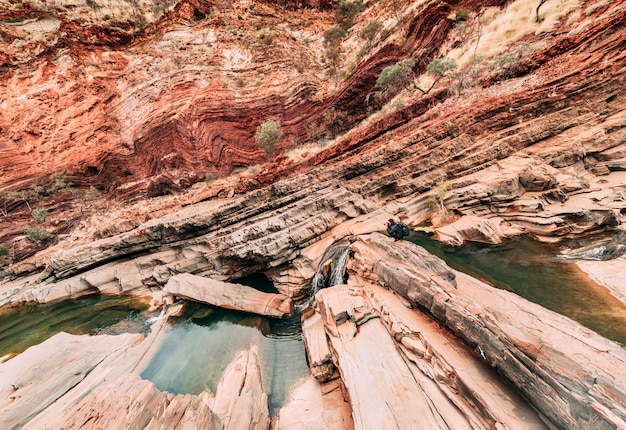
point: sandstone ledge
(610, 273)
(569, 373)
(229, 296)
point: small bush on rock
(38, 234)
(267, 134)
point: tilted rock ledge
(534, 147)
(398, 367)
(229, 296)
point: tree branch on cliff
(440, 68)
(537, 10)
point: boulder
(229, 296)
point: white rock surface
(229, 295)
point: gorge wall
(527, 136)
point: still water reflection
(532, 270)
(33, 323)
(199, 345)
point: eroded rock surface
(402, 370)
(532, 146)
(229, 296)
(94, 382)
(566, 371)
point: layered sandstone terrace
(130, 163)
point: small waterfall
(152, 320)
(339, 266)
(330, 271)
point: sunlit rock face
(160, 115)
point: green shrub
(267, 39)
(267, 134)
(92, 193)
(370, 31)
(332, 36)
(3, 250)
(461, 15)
(346, 12)
(39, 215)
(440, 66)
(59, 184)
(397, 76)
(38, 234)
(437, 198)
(35, 192)
(506, 59)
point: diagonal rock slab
(382, 390)
(315, 406)
(229, 296)
(40, 376)
(130, 402)
(400, 365)
(572, 375)
(455, 379)
(240, 400)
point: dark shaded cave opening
(258, 281)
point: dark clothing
(397, 230)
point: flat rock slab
(315, 406)
(383, 392)
(240, 399)
(229, 296)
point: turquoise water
(198, 346)
(533, 270)
(33, 323)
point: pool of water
(533, 270)
(33, 323)
(198, 346)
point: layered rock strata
(402, 370)
(564, 370)
(93, 382)
(537, 151)
(229, 296)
